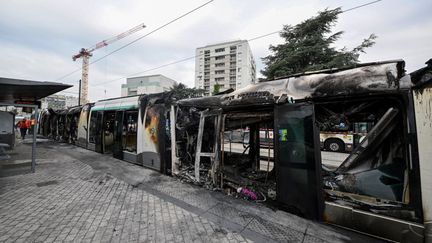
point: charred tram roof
(367, 78)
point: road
(331, 159)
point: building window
(233, 47)
(220, 50)
(219, 57)
(219, 79)
(222, 64)
(239, 69)
(219, 71)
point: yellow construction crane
(87, 53)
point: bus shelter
(27, 93)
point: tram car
(382, 187)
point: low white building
(146, 85)
(58, 102)
(71, 101)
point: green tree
(308, 47)
(181, 91)
(216, 89)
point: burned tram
(380, 186)
(344, 146)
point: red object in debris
(247, 193)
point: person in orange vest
(27, 123)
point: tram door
(298, 162)
(98, 132)
(118, 135)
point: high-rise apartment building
(229, 64)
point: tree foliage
(308, 47)
(216, 88)
(181, 91)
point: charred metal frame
(214, 156)
(384, 126)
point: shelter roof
(13, 90)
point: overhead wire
(360, 6)
(141, 37)
(195, 56)
(171, 63)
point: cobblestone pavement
(80, 196)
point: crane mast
(85, 54)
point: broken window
(364, 155)
(232, 151)
(196, 131)
(247, 161)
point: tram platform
(78, 195)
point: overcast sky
(38, 38)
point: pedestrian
(22, 125)
(28, 124)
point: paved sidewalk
(81, 196)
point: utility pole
(79, 93)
